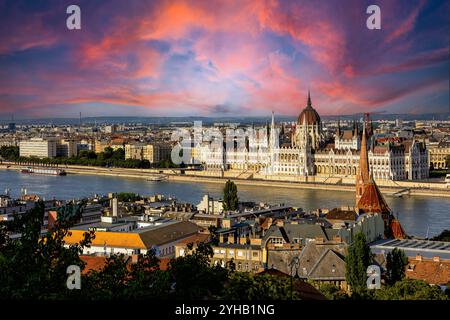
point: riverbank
(207, 177)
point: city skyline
(222, 58)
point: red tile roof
(432, 272)
(94, 263)
(397, 229)
(372, 200)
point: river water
(417, 214)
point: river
(417, 214)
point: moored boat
(44, 170)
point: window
(276, 240)
(240, 254)
(255, 254)
(181, 252)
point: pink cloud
(406, 25)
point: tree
(248, 286)
(230, 198)
(396, 261)
(358, 259)
(34, 266)
(447, 161)
(444, 236)
(410, 289)
(194, 277)
(332, 292)
(9, 153)
(127, 197)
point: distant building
(101, 145)
(38, 147)
(129, 240)
(154, 152)
(12, 127)
(438, 154)
(246, 254)
(110, 129)
(311, 154)
(66, 148)
(210, 206)
(347, 139)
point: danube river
(417, 214)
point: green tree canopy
(396, 261)
(248, 286)
(357, 260)
(444, 236)
(332, 292)
(230, 197)
(127, 197)
(194, 277)
(410, 289)
(34, 266)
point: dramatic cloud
(222, 57)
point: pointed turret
(273, 133)
(362, 177)
(309, 104)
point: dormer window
(276, 240)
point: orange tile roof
(111, 239)
(432, 272)
(145, 239)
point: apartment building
(38, 147)
(154, 152)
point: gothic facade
(309, 154)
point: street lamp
(294, 264)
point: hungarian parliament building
(310, 153)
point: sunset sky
(222, 58)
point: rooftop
(412, 247)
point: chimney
(419, 257)
(319, 240)
(436, 259)
(114, 207)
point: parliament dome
(309, 114)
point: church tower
(363, 175)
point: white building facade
(310, 155)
